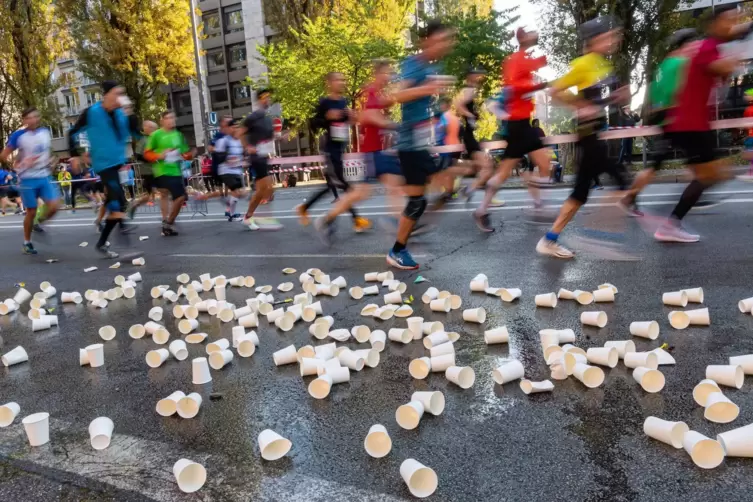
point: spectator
(206, 173)
(64, 178)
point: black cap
(596, 27)
(109, 85)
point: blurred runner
(146, 172)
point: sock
(398, 247)
(27, 242)
(353, 213)
(688, 199)
(109, 225)
(552, 236)
(231, 204)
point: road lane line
(356, 256)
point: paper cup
(273, 446)
(161, 336)
(246, 346)
(675, 298)
(356, 292)
(720, 409)
(319, 330)
(185, 326)
(702, 391)
(603, 295)
(564, 294)
(371, 276)
(529, 387)
(351, 360)
(745, 362)
(728, 375)
(178, 349)
(400, 335)
(421, 367)
(139, 262)
(441, 363)
(371, 290)
(286, 322)
(309, 312)
(496, 335)
(622, 346)
(157, 291)
(303, 299)
(38, 303)
(408, 416)
(421, 480)
(477, 315)
(546, 300)
(100, 432)
(479, 283)
(737, 442)
(226, 315)
(651, 380)
(664, 357)
(575, 350)
(200, 371)
(377, 443)
(679, 319)
(8, 413)
(370, 356)
(694, 295)
(603, 356)
(705, 452)
(189, 406)
(394, 297)
(698, 317)
(551, 350)
(645, 329)
(194, 338)
(288, 355)
(432, 327)
(310, 366)
(745, 305)
(462, 376)
(590, 376)
(40, 324)
(430, 294)
(432, 401)
(71, 298)
(96, 355)
(325, 352)
(385, 276)
(415, 326)
(37, 427)
(508, 372)
(509, 295)
(155, 358)
(168, 406)
(360, 333)
(378, 339)
(598, 319)
(437, 338)
(667, 432)
(83, 357)
(638, 359)
(155, 314)
(9, 306)
(320, 387)
(189, 475)
(249, 321)
(404, 311)
(22, 296)
(107, 333)
(441, 350)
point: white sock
(232, 201)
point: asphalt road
(492, 443)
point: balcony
(71, 111)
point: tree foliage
(142, 44)
(443, 8)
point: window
(211, 21)
(241, 94)
(215, 61)
(72, 104)
(218, 97)
(92, 97)
(183, 103)
(57, 130)
(233, 19)
(236, 55)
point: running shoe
(29, 248)
(630, 209)
(236, 216)
(483, 222)
(325, 231)
(268, 224)
(598, 187)
(673, 232)
(250, 223)
(38, 228)
(361, 224)
(168, 231)
(105, 252)
(496, 203)
(402, 260)
(553, 248)
(128, 228)
(20, 211)
(228, 216)
(748, 178)
(303, 215)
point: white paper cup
(40, 324)
(400, 335)
(479, 283)
(249, 321)
(694, 295)
(107, 333)
(83, 357)
(356, 292)
(432, 401)
(285, 287)
(603, 356)
(432, 327)
(351, 360)
(508, 372)
(309, 312)
(441, 363)
(96, 355)
(679, 319)
(189, 475)
(670, 433)
(139, 262)
(178, 349)
(737, 442)
(440, 350)
(420, 368)
(421, 480)
(551, 351)
(320, 387)
(705, 452)
(745, 305)
(273, 446)
(395, 297)
(702, 391)
(286, 322)
(385, 276)
(477, 315)
(288, 355)
(37, 427)
(651, 380)
(38, 303)
(493, 291)
(100, 432)
(746, 362)
(431, 294)
(509, 294)
(218, 345)
(590, 376)
(699, 317)
(415, 326)
(408, 416)
(303, 299)
(155, 358)
(340, 282)
(161, 336)
(370, 356)
(52, 319)
(603, 295)
(595, 318)
(462, 376)
(564, 294)
(71, 297)
(558, 371)
(185, 326)
(22, 296)
(377, 443)
(8, 413)
(371, 290)
(645, 329)
(189, 406)
(200, 371)
(529, 387)
(194, 338)
(726, 374)
(675, 298)
(572, 348)
(663, 356)
(622, 346)
(496, 335)
(720, 409)
(436, 338)
(155, 313)
(361, 333)
(546, 300)
(310, 366)
(371, 276)
(638, 359)
(325, 352)
(168, 406)
(9, 306)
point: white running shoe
(552, 248)
(269, 224)
(670, 232)
(250, 223)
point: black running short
(593, 159)
(522, 139)
(335, 169)
(699, 146)
(3, 192)
(417, 166)
(115, 199)
(147, 183)
(99, 187)
(259, 165)
(232, 181)
(173, 184)
(470, 142)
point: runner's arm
(374, 116)
(463, 97)
(77, 128)
(405, 93)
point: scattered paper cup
(698, 317)
(462, 376)
(597, 318)
(40, 324)
(440, 350)
(737, 442)
(200, 371)
(168, 406)
(273, 446)
(441, 363)
(178, 349)
(479, 283)
(431, 294)
(139, 262)
(723, 374)
(155, 313)
(100, 432)
(679, 319)
(408, 416)
(8, 413)
(694, 295)
(351, 360)
(309, 312)
(675, 298)
(420, 368)
(394, 297)
(651, 380)
(529, 387)
(622, 346)
(288, 355)
(432, 401)
(400, 335)
(702, 391)
(415, 326)
(663, 356)
(746, 362)
(508, 372)
(370, 356)
(249, 321)
(645, 329)
(361, 333)
(371, 276)
(71, 297)
(356, 292)
(590, 376)
(745, 305)
(496, 335)
(421, 480)
(477, 315)
(509, 295)
(720, 409)
(564, 294)
(15, 356)
(96, 355)
(546, 300)
(603, 295)
(377, 443)
(603, 356)
(665, 431)
(436, 338)
(107, 333)
(431, 327)
(37, 427)
(155, 358)
(638, 359)
(705, 452)
(371, 290)
(189, 475)
(189, 406)
(22, 296)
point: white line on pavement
(356, 256)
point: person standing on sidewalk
(64, 179)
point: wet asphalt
(492, 443)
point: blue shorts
(32, 189)
(379, 163)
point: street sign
(277, 126)
(212, 118)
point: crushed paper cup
(746, 362)
(737, 442)
(431, 294)
(610, 286)
(698, 317)
(694, 295)
(404, 311)
(651, 380)
(509, 294)
(194, 338)
(400, 335)
(462, 376)
(508, 372)
(422, 481)
(15, 356)
(596, 318)
(496, 335)
(590, 376)
(220, 358)
(622, 346)
(477, 315)
(377, 443)
(8, 413)
(679, 319)
(645, 329)
(493, 291)
(637, 359)
(189, 475)
(273, 446)
(546, 300)
(100, 432)
(115, 265)
(529, 387)
(285, 287)
(603, 295)
(705, 452)
(408, 416)
(90, 269)
(341, 335)
(420, 368)
(664, 357)
(369, 309)
(667, 432)
(37, 427)
(726, 374)
(289, 270)
(378, 339)
(168, 406)
(675, 298)
(603, 356)
(719, 409)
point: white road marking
(356, 256)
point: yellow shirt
(591, 74)
(64, 178)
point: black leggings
(335, 176)
(74, 190)
(593, 160)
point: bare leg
(496, 181)
(264, 189)
(177, 205)
(405, 226)
(31, 213)
(357, 193)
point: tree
(140, 46)
(443, 8)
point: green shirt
(174, 144)
(665, 85)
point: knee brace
(415, 207)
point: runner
(689, 123)
(167, 148)
(663, 95)
(465, 105)
(522, 139)
(33, 144)
(258, 135)
(146, 172)
(108, 125)
(418, 83)
(748, 152)
(221, 131)
(8, 191)
(591, 75)
(334, 116)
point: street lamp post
(199, 79)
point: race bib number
(173, 156)
(422, 134)
(339, 132)
(265, 148)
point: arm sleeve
(78, 127)
(320, 121)
(13, 140)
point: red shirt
(372, 138)
(692, 111)
(517, 76)
(749, 113)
